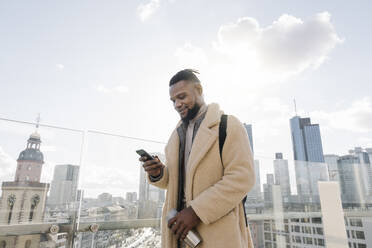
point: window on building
(353, 234)
(287, 240)
(362, 246)
(11, 202)
(296, 229)
(34, 201)
(298, 239)
(295, 220)
(359, 234)
(318, 230)
(268, 245)
(266, 226)
(305, 220)
(308, 240)
(317, 220)
(356, 222)
(306, 229)
(320, 242)
(348, 233)
(267, 236)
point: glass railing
(82, 188)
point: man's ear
(199, 89)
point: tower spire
(295, 106)
(37, 121)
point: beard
(191, 113)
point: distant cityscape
(27, 200)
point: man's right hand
(152, 167)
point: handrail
(44, 228)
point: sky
(105, 65)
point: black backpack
(222, 138)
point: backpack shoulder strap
(222, 137)
(222, 133)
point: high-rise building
(248, 127)
(64, 185)
(23, 200)
(306, 140)
(351, 180)
(151, 198)
(281, 173)
(255, 195)
(309, 159)
(268, 190)
(331, 161)
(365, 166)
(131, 196)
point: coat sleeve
(163, 181)
(237, 180)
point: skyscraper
(248, 127)
(151, 198)
(64, 185)
(306, 140)
(255, 195)
(309, 159)
(268, 190)
(281, 173)
(351, 179)
(331, 161)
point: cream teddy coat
(213, 189)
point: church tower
(23, 200)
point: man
(207, 189)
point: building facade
(64, 185)
(23, 200)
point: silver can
(193, 238)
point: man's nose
(177, 104)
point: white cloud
(145, 11)
(356, 118)
(268, 54)
(116, 89)
(60, 67)
(8, 166)
(190, 56)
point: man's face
(187, 98)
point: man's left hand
(183, 222)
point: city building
(351, 180)
(151, 198)
(306, 140)
(255, 194)
(354, 174)
(248, 127)
(23, 200)
(309, 158)
(64, 185)
(331, 161)
(268, 190)
(281, 173)
(307, 230)
(131, 196)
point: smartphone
(143, 153)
